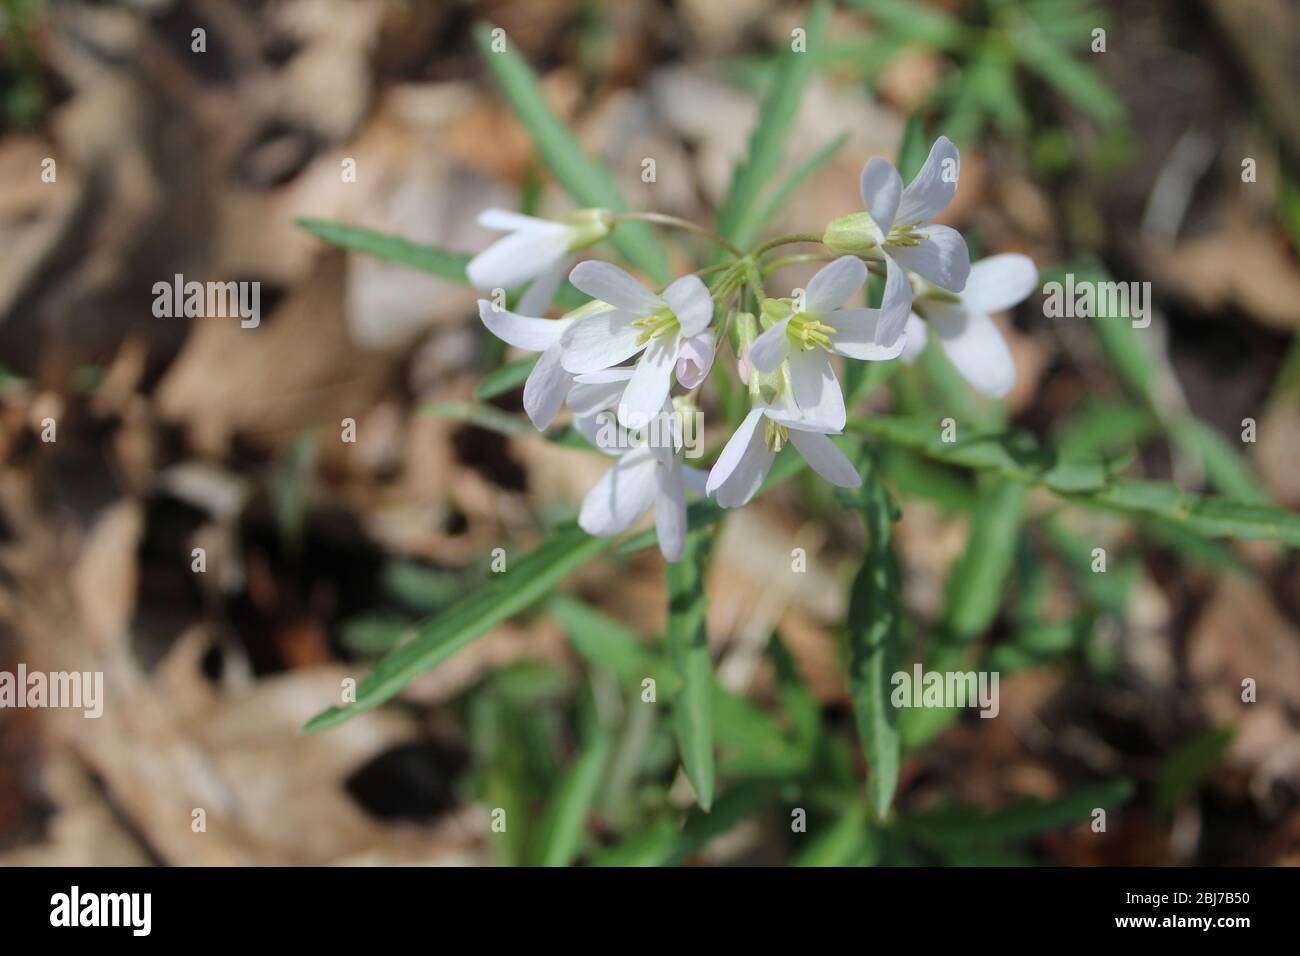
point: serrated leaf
(687, 644)
(586, 179)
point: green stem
(786, 240)
(674, 222)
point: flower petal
(648, 388)
(621, 496)
(895, 304)
(696, 479)
(834, 284)
(743, 464)
(694, 359)
(942, 257)
(855, 335)
(545, 388)
(603, 432)
(597, 391)
(934, 186)
(816, 389)
(769, 350)
(670, 511)
(537, 299)
(518, 257)
(882, 189)
(600, 280)
(916, 336)
(975, 346)
(690, 301)
(521, 331)
(600, 341)
(999, 282)
(825, 459)
(507, 220)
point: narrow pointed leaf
(740, 216)
(688, 651)
(586, 179)
(874, 639)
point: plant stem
(785, 241)
(674, 222)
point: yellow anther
(774, 435)
(662, 321)
(807, 332)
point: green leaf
(562, 831)
(751, 740)
(1225, 466)
(874, 640)
(507, 378)
(913, 149)
(430, 259)
(800, 176)
(841, 843)
(1018, 821)
(601, 640)
(482, 416)
(1071, 77)
(687, 644)
(916, 22)
(373, 634)
(978, 581)
(586, 179)
(740, 216)
(527, 579)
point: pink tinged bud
(742, 365)
(694, 359)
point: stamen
(662, 321)
(774, 435)
(905, 234)
(807, 331)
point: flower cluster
(613, 361)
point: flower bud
(855, 234)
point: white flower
(966, 333)
(537, 250)
(661, 325)
(898, 219)
(644, 476)
(745, 461)
(806, 336)
(548, 382)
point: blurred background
(1160, 150)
